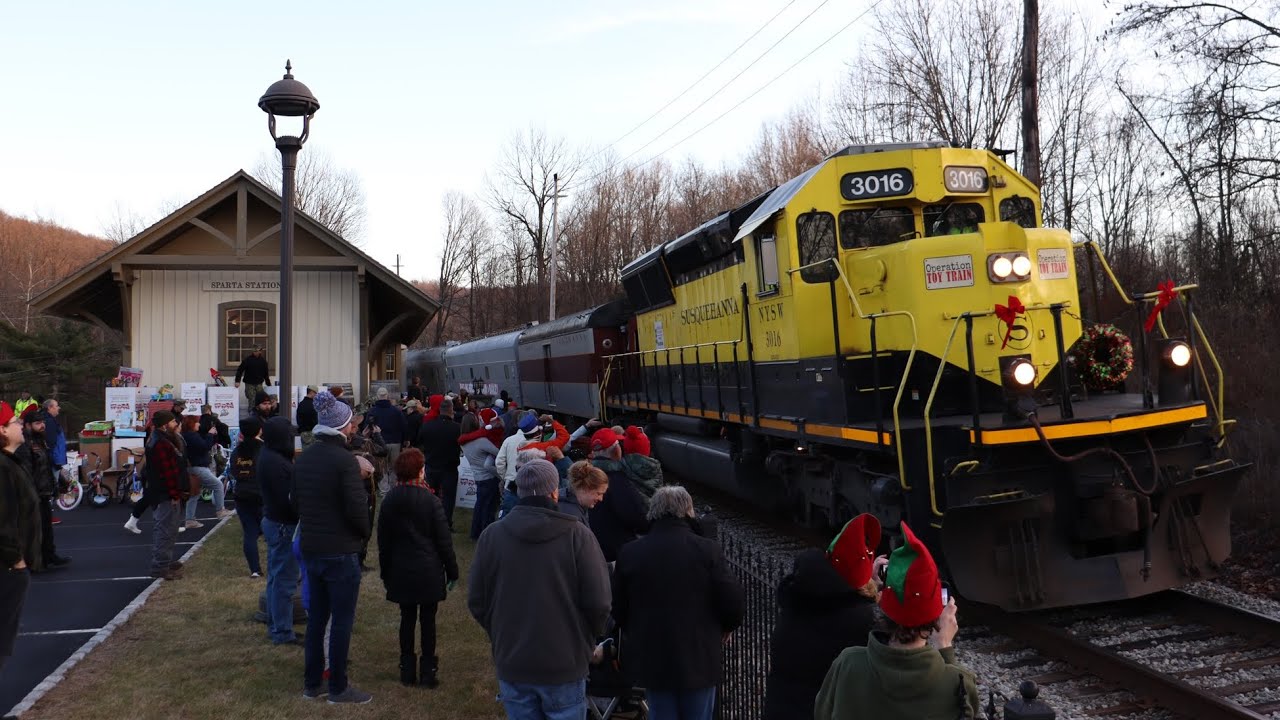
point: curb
(52, 679)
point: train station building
(201, 287)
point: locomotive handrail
(608, 370)
(906, 371)
(1218, 407)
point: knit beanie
(162, 418)
(537, 477)
(330, 411)
(250, 427)
(852, 551)
(6, 413)
(635, 442)
(912, 595)
(260, 397)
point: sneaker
(255, 575)
(193, 524)
(56, 521)
(58, 561)
(224, 513)
(298, 640)
(132, 525)
(176, 565)
(182, 528)
(352, 696)
(313, 693)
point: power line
(730, 81)
(757, 91)
(699, 80)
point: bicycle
(129, 488)
(71, 491)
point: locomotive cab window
(874, 227)
(816, 240)
(766, 263)
(952, 218)
(1020, 210)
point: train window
(816, 240)
(766, 264)
(1020, 210)
(879, 226)
(952, 218)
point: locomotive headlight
(1022, 265)
(1023, 373)
(1001, 267)
(1178, 354)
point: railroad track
(1191, 656)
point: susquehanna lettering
(710, 311)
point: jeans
(250, 514)
(486, 506)
(697, 704)
(282, 579)
(334, 587)
(164, 534)
(544, 702)
(424, 614)
(207, 481)
(13, 594)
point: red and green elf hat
(853, 550)
(912, 595)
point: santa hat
(635, 442)
(6, 413)
(433, 407)
(487, 416)
(853, 550)
(913, 595)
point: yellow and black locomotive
(894, 332)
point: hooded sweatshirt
(275, 471)
(818, 616)
(889, 683)
(527, 569)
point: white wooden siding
(178, 339)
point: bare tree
(333, 195)
(465, 232)
(521, 191)
(123, 224)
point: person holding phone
(908, 669)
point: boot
(408, 669)
(429, 671)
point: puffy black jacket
(19, 516)
(674, 598)
(244, 468)
(439, 442)
(415, 547)
(307, 416)
(275, 471)
(211, 421)
(819, 615)
(332, 505)
(33, 456)
(253, 370)
(620, 516)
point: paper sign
(466, 486)
(659, 338)
(226, 404)
(1052, 263)
(193, 393)
(122, 403)
(948, 272)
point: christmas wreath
(1103, 357)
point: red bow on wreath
(1167, 295)
(1008, 315)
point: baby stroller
(610, 693)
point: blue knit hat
(330, 411)
(528, 423)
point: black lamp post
(289, 98)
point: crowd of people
(573, 563)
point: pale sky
(140, 105)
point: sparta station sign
(240, 285)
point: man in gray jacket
(527, 569)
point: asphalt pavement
(67, 607)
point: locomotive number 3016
(876, 183)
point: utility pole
(555, 206)
(1031, 90)
(397, 264)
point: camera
(946, 596)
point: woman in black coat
(415, 551)
(826, 604)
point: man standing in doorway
(333, 512)
(253, 371)
(19, 531)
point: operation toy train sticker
(1052, 263)
(948, 272)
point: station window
(875, 227)
(816, 241)
(952, 218)
(245, 325)
(1020, 210)
(389, 365)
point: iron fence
(759, 568)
